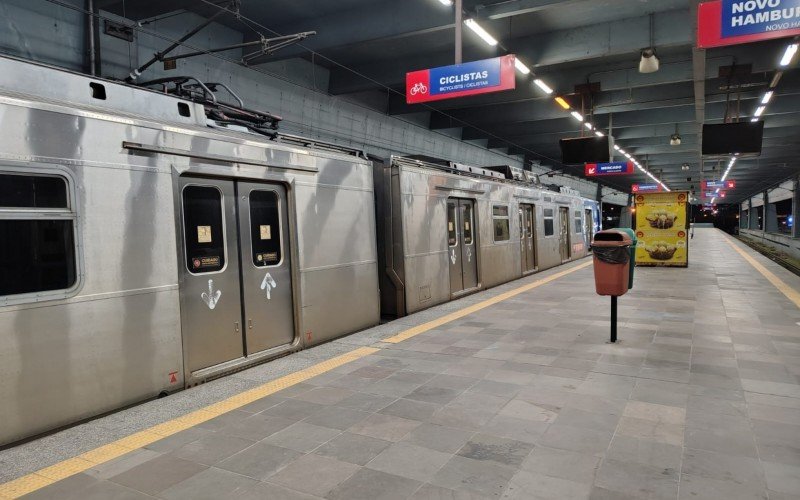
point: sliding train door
(563, 236)
(211, 311)
(588, 226)
(266, 266)
(527, 243)
(235, 288)
(461, 238)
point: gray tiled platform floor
(525, 399)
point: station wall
(295, 89)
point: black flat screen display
(732, 138)
(584, 150)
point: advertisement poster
(662, 229)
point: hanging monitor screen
(585, 150)
(732, 138)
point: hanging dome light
(675, 139)
(649, 62)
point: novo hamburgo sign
(730, 22)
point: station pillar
(752, 216)
(795, 207)
(770, 216)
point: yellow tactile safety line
(62, 470)
(413, 332)
(49, 475)
(785, 289)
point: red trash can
(611, 262)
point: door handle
(250, 324)
(236, 326)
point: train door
(266, 266)
(469, 256)
(236, 292)
(461, 244)
(588, 226)
(454, 247)
(527, 237)
(564, 230)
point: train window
(202, 220)
(183, 109)
(265, 229)
(529, 222)
(468, 224)
(452, 235)
(578, 222)
(500, 211)
(32, 191)
(37, 228)
(548, 222)
(98, 91)
(502, 230)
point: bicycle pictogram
(419, 88)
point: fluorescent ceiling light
(577, 116)
(598, 133)
(486, 37)
(759, 111)
(754, 120)
(521, 66)
(616, 147)
(546, 88)
(712, 200)
(628, 156)
(588, 125)
(767, 97)
(563, 103)
(446, 2)
(789, 54)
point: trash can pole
(613, 319)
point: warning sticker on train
(204, 234)
(204, 262)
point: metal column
(770, 221)
(795, 207)
(459, 26)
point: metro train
(150, 241)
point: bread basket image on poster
(661, 219)
(661, 250)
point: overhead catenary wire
(186, 44)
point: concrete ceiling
(370, 45)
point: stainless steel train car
(146, 247)
(446, 230)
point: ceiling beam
(372, 21)
(512, 8)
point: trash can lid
(611, 237)
(630, 232)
